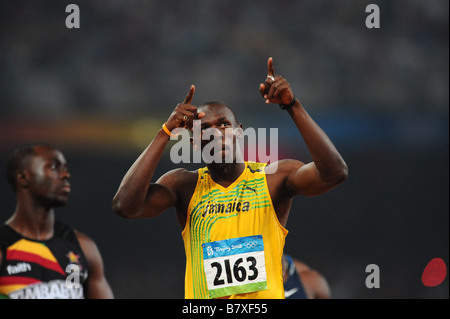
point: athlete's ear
(196, 134)
(239, 131)
(22, 179)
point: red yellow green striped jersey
(49, 269)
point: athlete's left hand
(276, 89)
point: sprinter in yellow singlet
(232, 214)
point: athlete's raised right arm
(138, 196)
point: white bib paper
(235, 266)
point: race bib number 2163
(235, 266)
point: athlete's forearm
(134, 188)
(329, 162)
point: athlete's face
(48, 177)
(219, 127)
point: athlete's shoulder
(87, 244)
(8, 235)
(179, 174)
(284, 166)
(179, 179)
(255, 166)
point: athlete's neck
(225, 174)
(33, 222)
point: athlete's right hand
(184, 114)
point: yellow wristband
(166, 129)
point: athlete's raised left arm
(328, 169)
(97, 285)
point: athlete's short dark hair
(18, 160)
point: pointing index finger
(270, 70)
(190, 95)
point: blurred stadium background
(101, 92)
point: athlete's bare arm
(292, 177)
(138, 196)
(97, 286)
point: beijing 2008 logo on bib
(235, 266)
